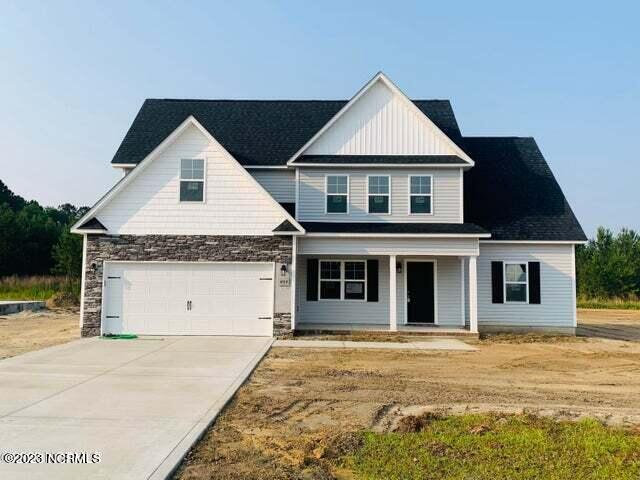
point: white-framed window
(337, 193)
(192, 180)
(516, 282)
(420, 194)
(343, 280)
(379, 194)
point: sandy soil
(299, 404)
(26, 331)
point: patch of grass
(498, 447)
(613, 303)
(518, 338)
(37, 287)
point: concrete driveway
(138, 404)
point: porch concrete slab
(142, 407)
(435, 344)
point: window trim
(388, 195)
(204, 181)
(430, 195)
(326, 193)
(525, 282)
(342, 280)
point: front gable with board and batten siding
(147, 202)
(381, 120)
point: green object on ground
(121, 336)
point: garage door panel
(225, 298)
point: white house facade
(266, 217)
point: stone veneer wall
(177, 248)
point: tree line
(35, 240)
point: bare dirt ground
(614, 324)
(300, 404)
(26, 331)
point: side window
(343, 279)
(337, 192)
(420, 194)
(330, 280)
(515, 282)
(192, 180)
(378, 193)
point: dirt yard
(299, 404)
(26, 331)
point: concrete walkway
(435, 344)
(139, 404)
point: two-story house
(241, 217)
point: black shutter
(534, 282)
(497, 282)
(372, 280)
(312, 279)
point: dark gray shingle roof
(255, 132)
(512, 192)
(393, 228)
(382, 159)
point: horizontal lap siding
(281, 184)
(341, 311)
(388, 246)
(150, 204)
(557, 277)
(446, 195)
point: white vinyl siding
(381, 123)
(235, 205)
(446, 198)
(343, 311)
(281, 184)
(387, 246)
(556, 286)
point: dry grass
(630, 303)
(37, 287)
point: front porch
(427, 291)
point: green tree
(67, 255)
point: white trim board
(190, 121)
(543, 242)
(380, 76)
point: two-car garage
(188, 298)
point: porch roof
(365, 228)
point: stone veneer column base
(176, 248)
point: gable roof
(512, 192)
(92, 224)
(381, 79)
(254, 132)
(166, 142)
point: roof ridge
(266, 100)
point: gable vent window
(378, 194)
(192, 180)
(420, 194)
(337, 189)
(515, 282)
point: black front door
(420, 292)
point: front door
(420, 292)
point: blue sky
(73, 75)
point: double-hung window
(515, 282)
(343, 280)
(337, 189)
(378, 188)
(192, 180)
(420, 194)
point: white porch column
(393, 312)
(473, 295)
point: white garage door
(188, 298)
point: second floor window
(192, 180)
(378, 194)
(337, 193)
(420, 194)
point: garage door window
(192, 180)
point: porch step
(404, 330)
